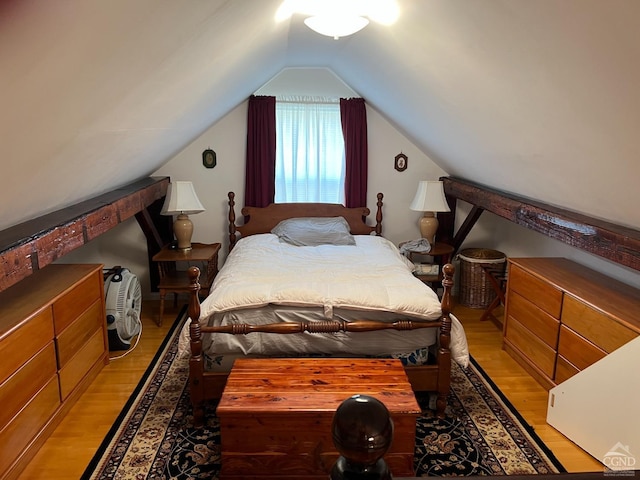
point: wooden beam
(158, 230)
(608, 240)
(34, 244)
(466, 227)
(446, 222)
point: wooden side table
(202, 255)
(441, 253)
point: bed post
(444, 351)
(379, 215)
(196, 362)
(232, 220)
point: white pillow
(313, 231)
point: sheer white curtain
(310, 161)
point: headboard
(263, 219)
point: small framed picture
(209, 158)
(400, 163)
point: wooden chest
(276, 414)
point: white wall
(228, 137)
(126, 245)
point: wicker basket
(476, 290)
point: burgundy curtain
(260, 173)
(354, 129)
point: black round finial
(362, 432)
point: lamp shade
(181, 199)
(430, 197)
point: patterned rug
(154, 438)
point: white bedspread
(371, 276)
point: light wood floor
(73, 444)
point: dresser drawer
(24, 342)
(18, 389)
(595, 326)
(577, 350)
(539, 292)
(77, 333)
(78, 366)
(60, 306)
(73, 303)
(17, 435)
(539, 322)
(538, 352)
(564, 370)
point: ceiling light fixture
(339, 18)
(336, 27)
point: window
(310, 161)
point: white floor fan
(123, 299)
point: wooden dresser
(53, 342)
(561, 317)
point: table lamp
(429, 199)
(182, 201)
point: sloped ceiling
(538, 98)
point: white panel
(599, 408)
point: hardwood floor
(68, 451)
(525, 393)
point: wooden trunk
(276, 414)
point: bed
(313, 279)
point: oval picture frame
(209, 158)
(400, 162)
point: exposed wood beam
(466, 227)
(446, 222)
(158, 231)
(148, 225)
(34, 244)
(614, 242)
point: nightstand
(202, 255)
(441, 253)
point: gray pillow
(312, 231)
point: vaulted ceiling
(538, 98)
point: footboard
(436, 377)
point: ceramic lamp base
(428, 226)
(183, 230)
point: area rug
(154, 437)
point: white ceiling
(538, 98)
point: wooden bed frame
(205, 385)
